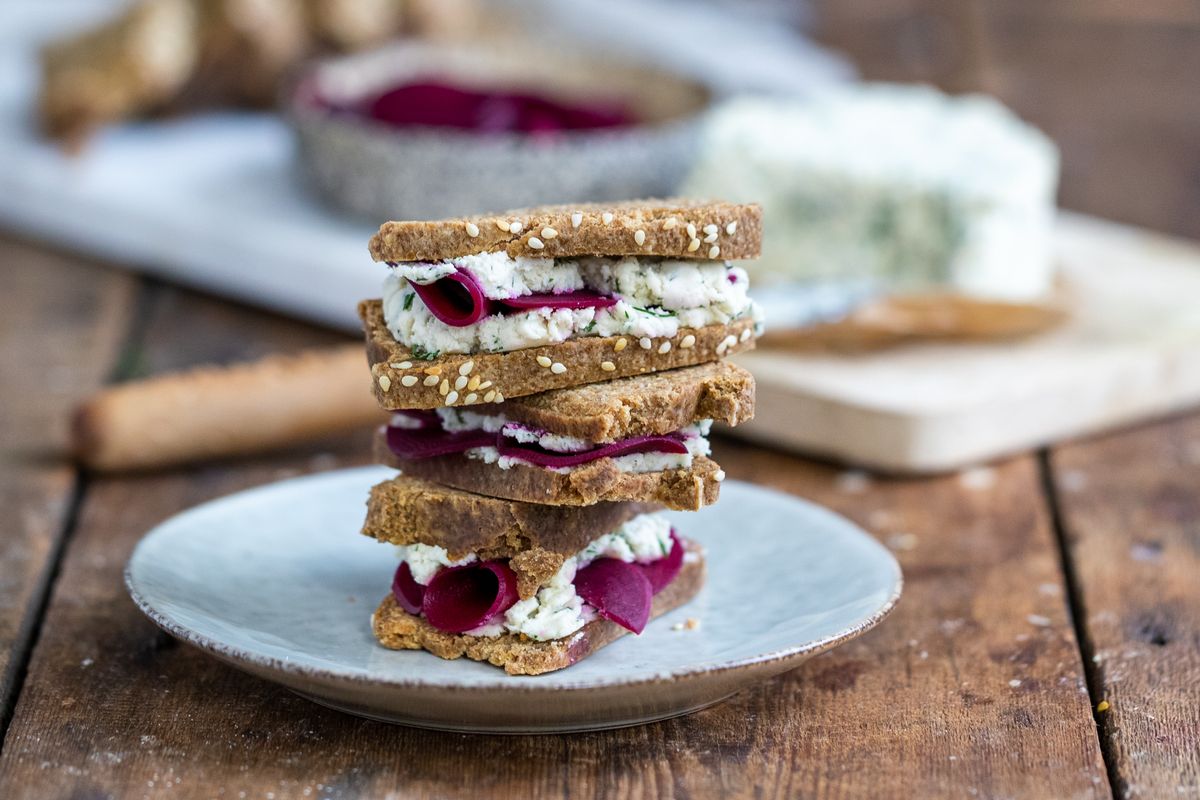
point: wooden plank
(1130, 510)
(60, 329)
(974, 684)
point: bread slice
(641, 405)
(401, 380)
(633, 228)
(518, 655)
(600, 481)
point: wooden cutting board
(1129, 350)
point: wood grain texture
(60, 333)
(1130, 508)
(973, 685)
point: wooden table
(1047, 644)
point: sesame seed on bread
(518, 655)
(401, 380)
(687, 489)
(667, 228)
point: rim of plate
(237, 655)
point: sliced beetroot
(541, 457)
(460, 599)
(429, 442)
(408, 593)
(663, 571)
(618, 591)
(457, 299)
(575, 300)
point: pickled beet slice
(408, 593)
(544, 458)
(618, 591)
(460, 599)
(574, 300)
(457, 299)
(429, 442)
(661, 572)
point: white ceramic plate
(278, 582)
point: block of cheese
(889, 187)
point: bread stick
(224, 411)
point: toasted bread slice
(600, 481)
(401, 380)
(399, 630)
(657, 228)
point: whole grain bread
(667, 228)
(401, 380)
(641, 405)
(518, 655)
(600, 481)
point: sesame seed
(729, 341)
(693, 245)
(543, 361)
(665, 347)
(472, 230)
(645, 342)
(608, 366)
(606, 217)
(712, 237)
(620, 344)
(405, 365)
(714, 251)
(691, 229)
(719, 476)
(444, 389)
(536, 243)
(731, 228)
(503, 225)
(487, 398)
(385, 382)
(745, 334)
(460, 382)
(721, 348)
(474, 383)
(409, 380)
(558, 368)
(688, 342)
(516, 226)
(466, 367)
(430, 380)
(485, 384)
(669, 223)
(499, 398)
(451, 398)
(434, 371)
(549, 233)
(639, 236)
(576, 219)
(711, 229)
(471, 398)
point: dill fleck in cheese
(893, 187)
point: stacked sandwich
(553, 374)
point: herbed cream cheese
(556, 610)
(656, 297)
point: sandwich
(531, 588)
(642, 438)
(483, 309)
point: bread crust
(398, 630)
(600, 481)
(517, 373)
(604, 229)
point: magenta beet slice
(618, 591)
(663, 571)
(545, 458)
(574, 300)
(463, 598)
(408, 593)
(457, 299)
(430, 442)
